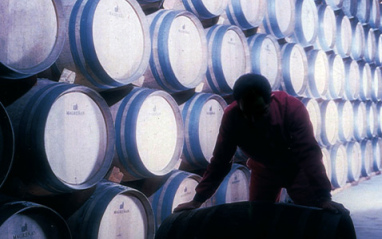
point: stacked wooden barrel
(133, 92)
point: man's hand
(334, 207)
(188, 206)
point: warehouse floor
(365, 204)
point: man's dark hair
(252, 83)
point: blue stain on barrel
(257, 220)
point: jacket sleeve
(220, 163)
(306, 150)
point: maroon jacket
(284, 145)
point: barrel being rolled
(149, 133)
(113, 211)
(64, 137)
(202, 115)
(7, 144)
(108, 43)
(22, 219)
(32, 36)
(257, 220)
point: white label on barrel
(269, 60)
(233, 57)
(284, 14)
(209, 123)
(124, 217)
(156, 133)
(75, 138)
(118, 38)
(297, 74)
(185, 50)
(337, 75)
(331, 122)
(22, 226)
(237, 187)
(185, 192)
(28, 32)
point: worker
(274, 130)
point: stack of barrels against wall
(110, 109)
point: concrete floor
(364, 201)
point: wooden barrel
(206, 9)
(318, 73)
(32, 37)
(378, 45)
(376, 84)
(329, 123)
(64, 137)
(108, 43)
(326, 35)
(306, 26)
(379, 118)
(327, 162)
(353, 155)
(352, 79)
(370, 45)
(280, 18)
(367, 157)
(259, 220)
(358, 42)
(336, 77)
(345, 120)
(113, 211)
(360, 120)
(349, 7)
(363, 11)
(202, 116)
(149, 133)
(179, 51)
(339, 165)
(246, 14)
(228, 57)
(234, 188)
(265, 56)
(178, 188)
(344, 35)
(375, 14)
(365, 81)
(294, 69)
(377, 154)
(371, 119)
(22, 219)
(314, 111)
(7, 144)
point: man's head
(253, 95)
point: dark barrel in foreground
(257, 220)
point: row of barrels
(172, 50)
